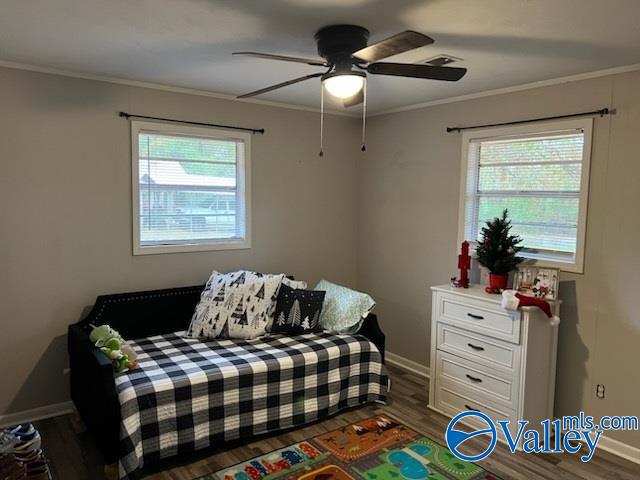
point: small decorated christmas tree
(498, 249)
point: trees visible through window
(540, 174)
(190, 188)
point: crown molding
(516, 88)
(166, 88)
(290, 106)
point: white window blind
(541, 178)
(190, 189)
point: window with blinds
(190, 188)
(540, 174)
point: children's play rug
(378, 448)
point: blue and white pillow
(344, 309)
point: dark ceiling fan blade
(450, 74)
(284, 58)
(399, 43)
(357, 99)
(280, 85)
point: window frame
(538, 128)
(243, 182)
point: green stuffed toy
(113, 346)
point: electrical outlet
(600, 390)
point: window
(190, 188)
(540, 173)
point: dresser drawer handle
(471, 408)
(476, 347)
(474, 379)
(475, 317)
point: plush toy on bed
(115, 347)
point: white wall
(408, 207)
(65, 211)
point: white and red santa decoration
(512, 300)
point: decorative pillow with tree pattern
(297, 311)
(236, 305)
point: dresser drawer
(482, 317)
(452, 402)
(493, 353)
(463, 375)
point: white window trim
(586, 124)
(243, 182)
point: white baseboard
(34, 414)
(619, 449)
(406, 364)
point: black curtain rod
(601, 112)
(228, 127)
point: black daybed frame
(134, 315)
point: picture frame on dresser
(539, 282)
(486, 358)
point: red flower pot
(498, 282)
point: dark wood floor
(73, 455)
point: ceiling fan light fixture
(344, 85)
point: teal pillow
(344, 309)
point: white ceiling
(188, 43)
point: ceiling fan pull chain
(321, 153)
(364, 116)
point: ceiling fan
(348, 58)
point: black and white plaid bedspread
(188, 394)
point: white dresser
(485, 358)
